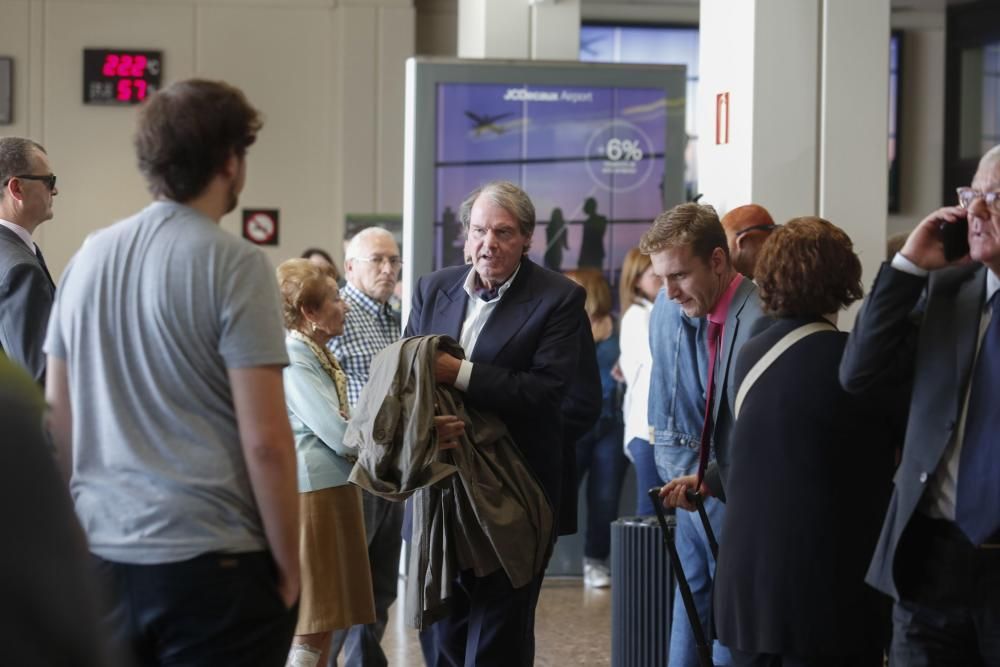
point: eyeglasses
(378, 260)
(967, 195)
(754, 228)
(48, 179)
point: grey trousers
(383, 526)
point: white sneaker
(303, 655)
(596, 576)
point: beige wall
(327, 75)
(332, 143)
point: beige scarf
(332, 368)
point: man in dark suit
(520, 325)
(26, 288)
(932, 318)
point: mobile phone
(955, 238)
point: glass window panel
(652, 45)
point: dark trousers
(599, 457)
(216, 609)
(949, 607)
(362, 644)
(743, 659)
(491, 623)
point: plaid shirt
(370, 326)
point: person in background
(638, 287)
(747, 228)
(336, 579)
(598, 453)
(322, 258)
(27, 191)
(373, 264)
(789, 587)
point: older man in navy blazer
(520, 325)
(932, 317)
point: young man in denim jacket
(676, 412)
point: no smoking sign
(260, 225)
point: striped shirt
(370, 326)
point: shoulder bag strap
(789, 339)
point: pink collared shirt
(720, 310)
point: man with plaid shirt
(372, 266)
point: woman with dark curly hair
(811, 471)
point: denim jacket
(676, 387)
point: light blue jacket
(314, 413)
(677, 382)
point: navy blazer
(26, 295)
(526, 357)
(894, 341)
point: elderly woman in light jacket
(336, 578)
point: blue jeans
(599, 456)
(646, 476)
(699, 567)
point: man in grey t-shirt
(165, 353)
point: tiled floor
(573, 627)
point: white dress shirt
(477, 312)
(939, 501)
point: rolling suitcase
(642, 594)
(702, 644)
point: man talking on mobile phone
(939, 553)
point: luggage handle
(701, 643)
(698, 500)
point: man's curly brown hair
(808, 267)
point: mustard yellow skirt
(333, 553)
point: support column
(519, 29)
(853, 172)
(793, 112)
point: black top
(808, 488)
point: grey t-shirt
(150, 314)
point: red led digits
(118, 76)
(126, 65)
(124, 90)
(110, 64)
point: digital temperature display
(115, 76)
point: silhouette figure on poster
(556, 239)
(452, 239)
(592, 246)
